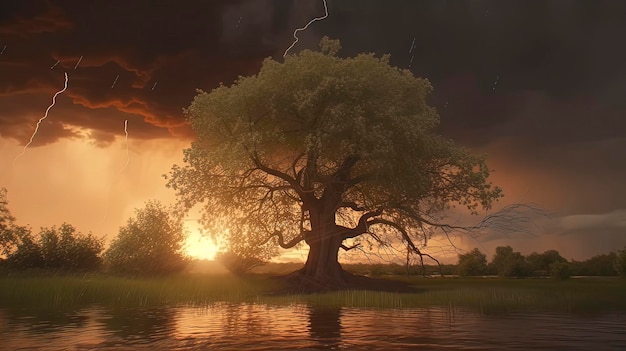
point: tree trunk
(322, 268)
(322, 265)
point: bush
(65, 249)
(54, 248)
(25, 252)
(560, 270)
(238, 264)
(150, 243)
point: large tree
(321, 149)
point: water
(302, 327)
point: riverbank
(484, 294)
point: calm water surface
(301, 327)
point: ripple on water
(301, 327)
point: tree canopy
(472, 263)
(322, 149)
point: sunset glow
(198, 245)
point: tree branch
(406, 237)
(362, 225)
(351, 204)
(281, 240)
(276, 173)
(346, 248)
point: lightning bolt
(411, 52)
(106, 208)
(78, 63)
(154, 86)
(126, 140)
(115, 81)
(3, 48)
(55, 64)
(54, 100)
(295, 33)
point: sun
(197, 245)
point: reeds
(485, 295)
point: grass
(69, 290)
(487, 295)
(483, 294)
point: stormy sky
(539, 86)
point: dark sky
(538, 85)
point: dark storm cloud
(50, 21)
(159, 52)
(561, 51)
(543, 55)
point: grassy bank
(487, 295)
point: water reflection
(45, 321)
(142, 325)
(325, 326)
(268, 327)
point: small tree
(472, 263)
(507, 263)
(544, 261)
(150, 243)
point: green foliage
(238, 264)
(53, 248)
(560, 270)
(356, 129)
(7, 237)
(25, 252)
(599, 265)
(59, 249)
(150, 243)
(473, 263)
(64, 249)
(620, 262)
(543, 262)
(507, 263)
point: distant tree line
(509, 263)
(150, 243)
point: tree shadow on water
(141, 324)
(325, 326)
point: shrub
(238, 264)
(150, 243)
(560, 270)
